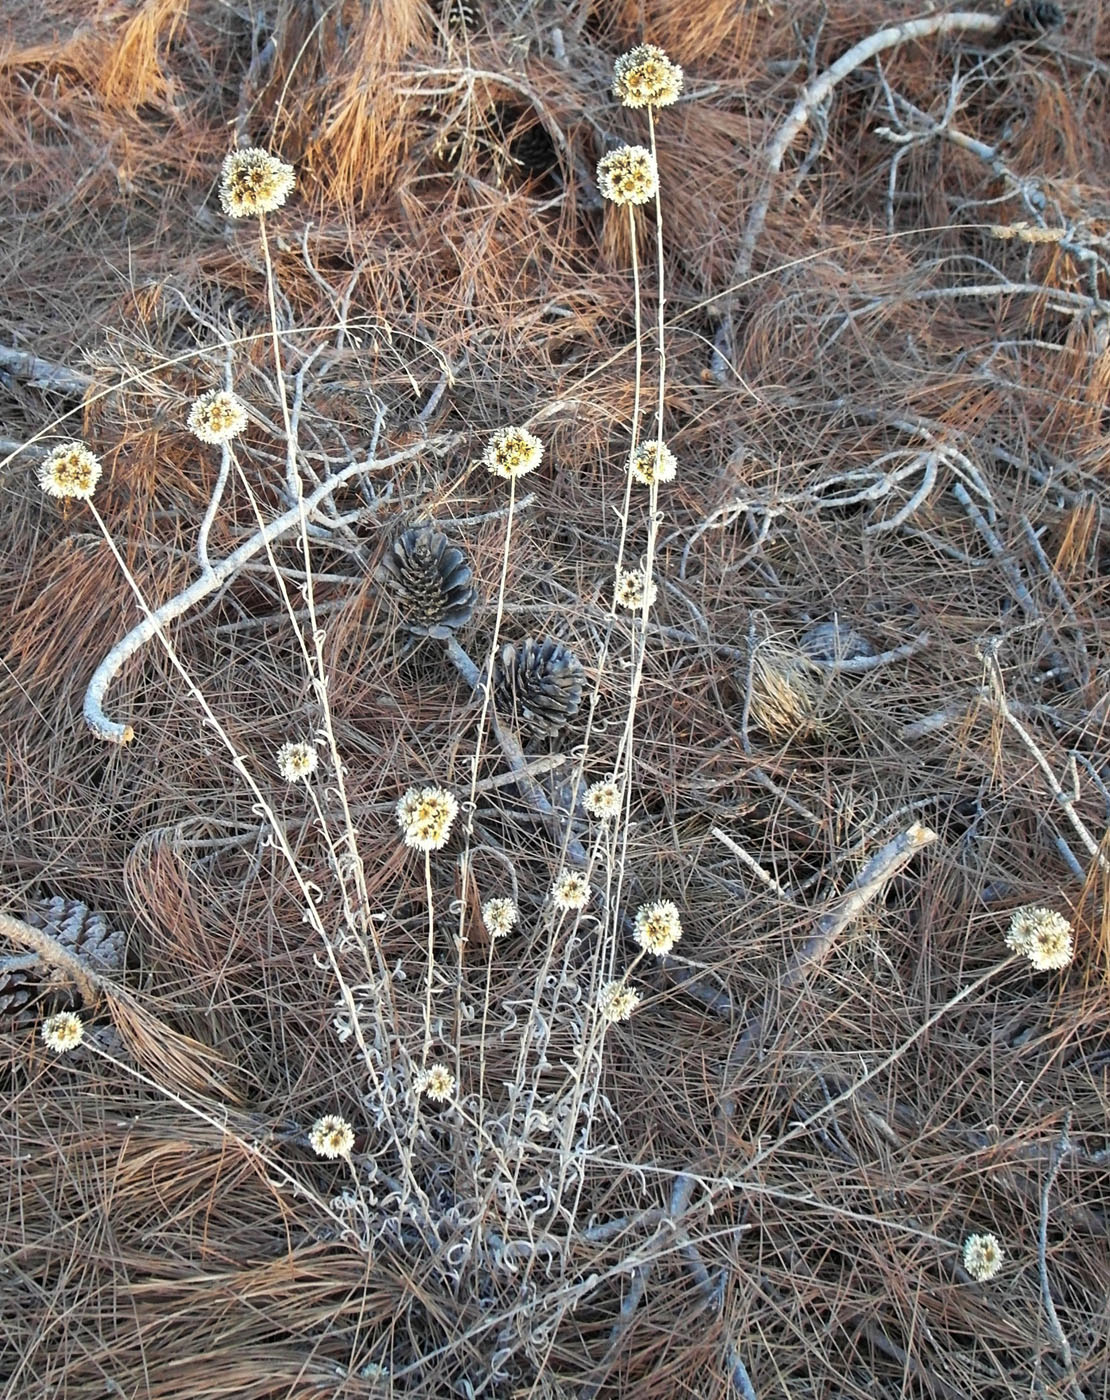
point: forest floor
(861, 724)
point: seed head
(602, 799)
(570, 891)
(254, 182)
(63, 1032)
(658, 927)
(631, 591)
(654, 461)
(500, 917)
(616, 1001)
(217, 416)
(437, 1082)
(1041, 935)
(70, 472)
(983, 1255)
(513, 452)
(628, 175)
(425, 816)
(646, 77)
(331, 1136)
(296, 760)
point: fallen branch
(43, 374)
(817, 92)
(210, 579)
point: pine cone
(538, 685)
(1028, 19)
(20, 991)
(76, 927)
(431, 581)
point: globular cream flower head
(654, 461)
(425, 816)
(217, 416)
(500, 917)
(631, 592)
(1041, 935)
(646, 77)
(628, 175)
(602, 800)
(513, 452)
(983, 1255)
(617, 1001)
(331, 1136)
(63, 1031)
(70, 471)
(253, 182)
(296, 760)
(437, 1082)
(570, 891)
(658, 927)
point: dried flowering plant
(296, 760)
(437, 1082)
(425, 816)
(512, 452)
(500, 916)
(646, 77)
(331, 1136)
(602, 800)
(628, 175)
(982, 1256)
(63, 1031)
(657, 927)
(217, 416)
(570, 891)
(617, 1001)
(1041, 935)
(70, 471)
(253, 182)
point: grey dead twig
(809, 101)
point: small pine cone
(21, 990)
(431, 581)
(1028, 19)
(85, 934)
(538, 685)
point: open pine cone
(538, 685)
(431, 581)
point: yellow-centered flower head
(646, 77)
(70, 471)
(658, 927)
(628, 175)
(217, 416)
(425, 816)
(331, 1136)
(252, 181)
(513, 452)
(63, 1032)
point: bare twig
(42, 374)
(208, 581)
(1060, 1153)
(810, 100)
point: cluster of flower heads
(602, 800)
(633, 590)
(570, 892)
(63, 1031)
(437, 1082)
(500, 917)
(1041, 935)
(296, 760)
(70, 471)
(646, 77)
(331, 1137)
(425, 816)
(657, 927)
(217, 416)
(617, 1001)
(983, 1256)
(513, 452)
(254, 182)
(628, 175)
(654, 462)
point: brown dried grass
(166, 1252)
